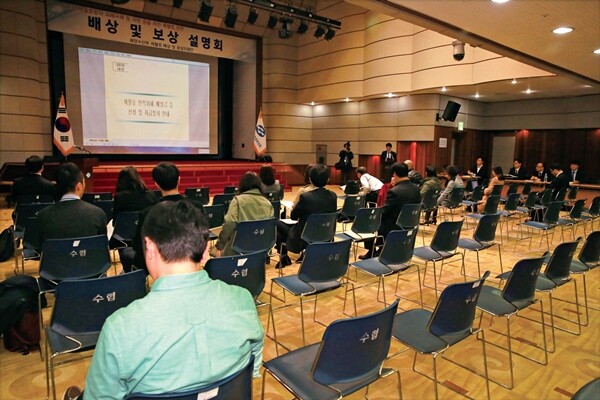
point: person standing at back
(345, 163)
(386, 160)
(32, 183)
(71, 217)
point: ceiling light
(284, 32)
(444, 88)
(312, 103)
(500, 1)
(320, 31)
(514, 81)
(562, 30)
(528, 91)
(597, 51)
(347, 99)
(272, 21)
(390, 95)
(252, 15)
(230, 17)
(205, 10)
(330, 34)
(476, 95)
(303, 27)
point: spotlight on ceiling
(252, 15)
(330, 34)
(284, 32)
(230, 17)
(177, 3)
(320, 31)
(205, 11)
(303, 27)
(272, 21)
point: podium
(86, 165)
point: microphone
(82, 149)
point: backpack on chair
(19, 318)
(7, 246)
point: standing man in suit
(479, 173)
(318, 200)
(345, 163)
(575, 174)
(71, 217)
(386, 160)
(32, 183)
(402, 192)
(518, 170)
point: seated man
(71, 217)
(541, 173)
(518, 172)
(189, 331)
(318, 200)
(414, 175)
(32, 183)
(166, 176)
(369, 185)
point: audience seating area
(546, 349)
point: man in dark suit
(71, 217)
(541, 173)
(518, 170)
(386, 160)
(560, 181)
(575, 174)
(402, 192)
(32, 183)
(479, 173)
(318, 200)
(166, 176)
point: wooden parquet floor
(575, 361)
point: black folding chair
(80, 309)
(201, 193)
(518, 294)
(253, 236)
(223, 199)
(433, 332)
(349, 357)
(364, 228)
(483, 238)
(247, 271)
(92, 197)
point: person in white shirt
(369, 185)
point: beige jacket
(248, 206)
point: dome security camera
(458, 50)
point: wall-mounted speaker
(451, 111)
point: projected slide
(148, 103)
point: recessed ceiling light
(347, 99)
(597, 51)
(312, 103)
(562, 30)
(476, 95)
(514, 81)
(500, 1)
(444, 88)
(390, 94)
(528, 91)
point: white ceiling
(521, 30)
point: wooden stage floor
(575, 362)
